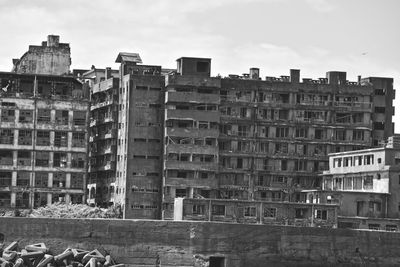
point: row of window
(42, 179)
(354, 161)
(251, 211)
(42, 159)
(44, 116)
(43, 138)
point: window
(250, 211)
(368, 159)
(301, 132)
(375, 206)
(374, 226)
(41, 179)
(282, 132)
(43, 138)
(60, 160)
(391, 227)
(358, 135)
(347, 161)
(25, 115)
(43, 115)
(300, 213)
(24, 158)
(78, 160)
(25, 137)
(5, 179)
(6, 157)
(61, 139)
(218, 210)
(78, 139)
(59, 179)
(79, 118)
(62, 117)
(337, 162)
(77, 180)
(279, 179)
(380, 110)
(42, 159)
(321, 214)
(8, 115)
(270, 212)
(379, 126)
(6, 136)
(23, 179)
(198, 209)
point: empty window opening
(79, 118)
(43, 138)
(25, 115)
(44, 115)
(6, 136)
(62, 117)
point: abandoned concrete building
(366, 186)
(104, 84)
(52, 57)
(256, 212)
(187, 134)
(43, 140)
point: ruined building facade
(187, 134)
(52, 57)
(43, 140)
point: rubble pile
(38, 255)
(60, 210)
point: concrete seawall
(141, 242)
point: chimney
(294, 76)
(254, 73)
(108, 73)
(359, 79)
(53, 40)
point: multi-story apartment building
(191, 133)
(382, 97)
(140, 135)
(187, 134)
(104, 84)
(43, 140)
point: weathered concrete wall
(139, 243)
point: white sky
(360, 37)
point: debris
(39, 255)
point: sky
(360, 37)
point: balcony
(192, 132)
(202, 183)
(189, 149)
(189, 165)
(191, 97)
(103, 86)
(173, 80)
(101, 104)
(197, 115)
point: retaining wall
(141, 242)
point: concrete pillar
(14, 179)
(191, 190)
(13, 199)
(50, 181)
(49, 198)
(67, 198)
(68, 180)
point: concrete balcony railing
(197, 81)
(101, 104)
(192, 149)
(197, 115)
(191, 182)
(103, 86)
(192, 132)
(191, 97)
(190, 165)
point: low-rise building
(256, 212)
(365, 184)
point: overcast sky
(361, 37)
